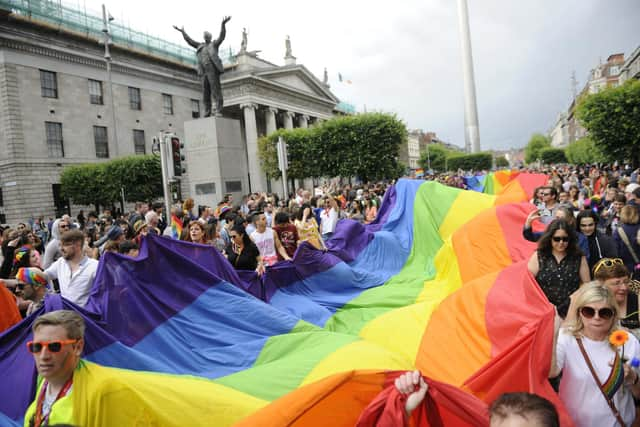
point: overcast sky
(404, 56)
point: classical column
(257, 182)
(270, 116)
(288, 119)
(303, 121)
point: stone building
(57, 108)
(409, 153)
(631, 67)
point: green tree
(99, 184)
(139, 176)
(536, 144)
(612, 117)
(365, 145)
(502, 162)
(85, 184)
(584, 150)
(436, 155)
(553, 155)
(476, 161)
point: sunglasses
(63, 226)
(603, 313)
(607, 262)
(36, 347)
(545, 194)
(560, 239)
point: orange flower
(618, 338)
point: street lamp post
(106, 18)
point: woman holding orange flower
(592, 353)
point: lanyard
(39, 421)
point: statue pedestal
(216, 159)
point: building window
(95, 92)
(195, 108)
(167, 103)
(135, 102)
(53, 133)
(138, 141)
(48, 84)
(101, 141)
(614, 70)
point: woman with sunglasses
(559, 265)
(561, 212)
(581, 350)
(242, 253)
(612, 273)
(599, 245)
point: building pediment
(298, 78)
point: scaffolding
(56, 14)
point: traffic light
(176, 146)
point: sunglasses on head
(36, 347)
(604, 313)
(560, 239)
(607, 262)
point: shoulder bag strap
(627, 243)
(595, 377)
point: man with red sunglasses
(58, 340)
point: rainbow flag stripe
(176, 227)
(438, 282)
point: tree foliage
(612, 117)
(583, 151)
(476, 161)
(101, 183)
(365, 145)
(436, 155)
(502, 162)
(553, 155)
(537, 143)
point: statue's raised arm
(223, 31)
(186, 37)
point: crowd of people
(585, 224)
(256, 232)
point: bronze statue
(209, 66)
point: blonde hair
(629, 215)
(589, 293)
(71, 321)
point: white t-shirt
(578, 390)
(77, 286)
(328, 221)
(266, 245)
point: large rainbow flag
(438, 283)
